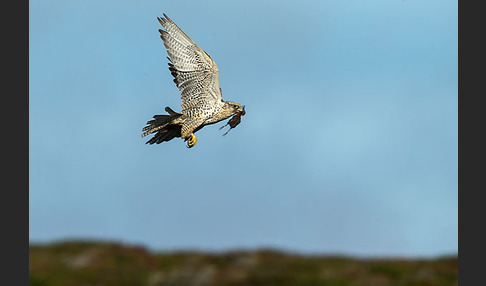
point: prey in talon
(234, 121)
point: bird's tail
(164, 127)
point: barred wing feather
(195, 72)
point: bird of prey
(196, 76)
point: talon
(191, 141)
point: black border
(15, 118)
(471, 133)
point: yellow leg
(191, 140)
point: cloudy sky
(349, 144)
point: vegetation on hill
(101, 263)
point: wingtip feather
(167, 17)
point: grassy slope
(101, 263)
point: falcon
(196, 76)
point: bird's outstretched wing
(195, 72)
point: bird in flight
(196, 76)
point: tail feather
(159, 121)
(163, 126)
(167, 134)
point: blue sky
(349, 144)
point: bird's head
(231, 108)
(234, 106)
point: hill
(102, 263)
